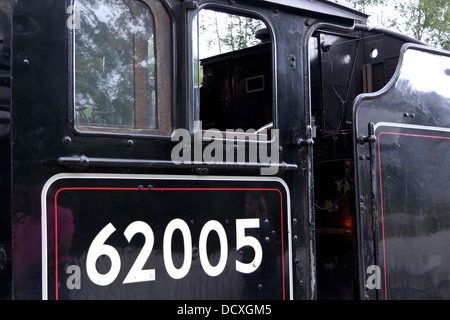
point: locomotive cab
(342, 65)
(212, 149)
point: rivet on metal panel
(325, 46)
(129, 143)
(293, 61)
(201, 171)
(195, 254)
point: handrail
(82, 162)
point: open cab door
(402, 168)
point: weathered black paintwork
(320, 64)
(5, 154)
(402, 177)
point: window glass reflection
(115, 69)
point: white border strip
(63, 176)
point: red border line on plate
(163, 189)
(381, 192)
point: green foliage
(424, 20)
(241, 32)
(364, 4)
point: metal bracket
(371, 138)
(299, 142)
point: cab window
(120, 58)
(232, 71)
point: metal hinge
(362, 140)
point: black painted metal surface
(403, 176)
(71, 188)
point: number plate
(165, 237)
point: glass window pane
(115, 67)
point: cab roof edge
(338, 8)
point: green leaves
(424, 20)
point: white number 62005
(137, 272)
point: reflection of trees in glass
(113, 51)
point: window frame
(164, 80)
(259, 135)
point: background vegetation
(424, 20)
